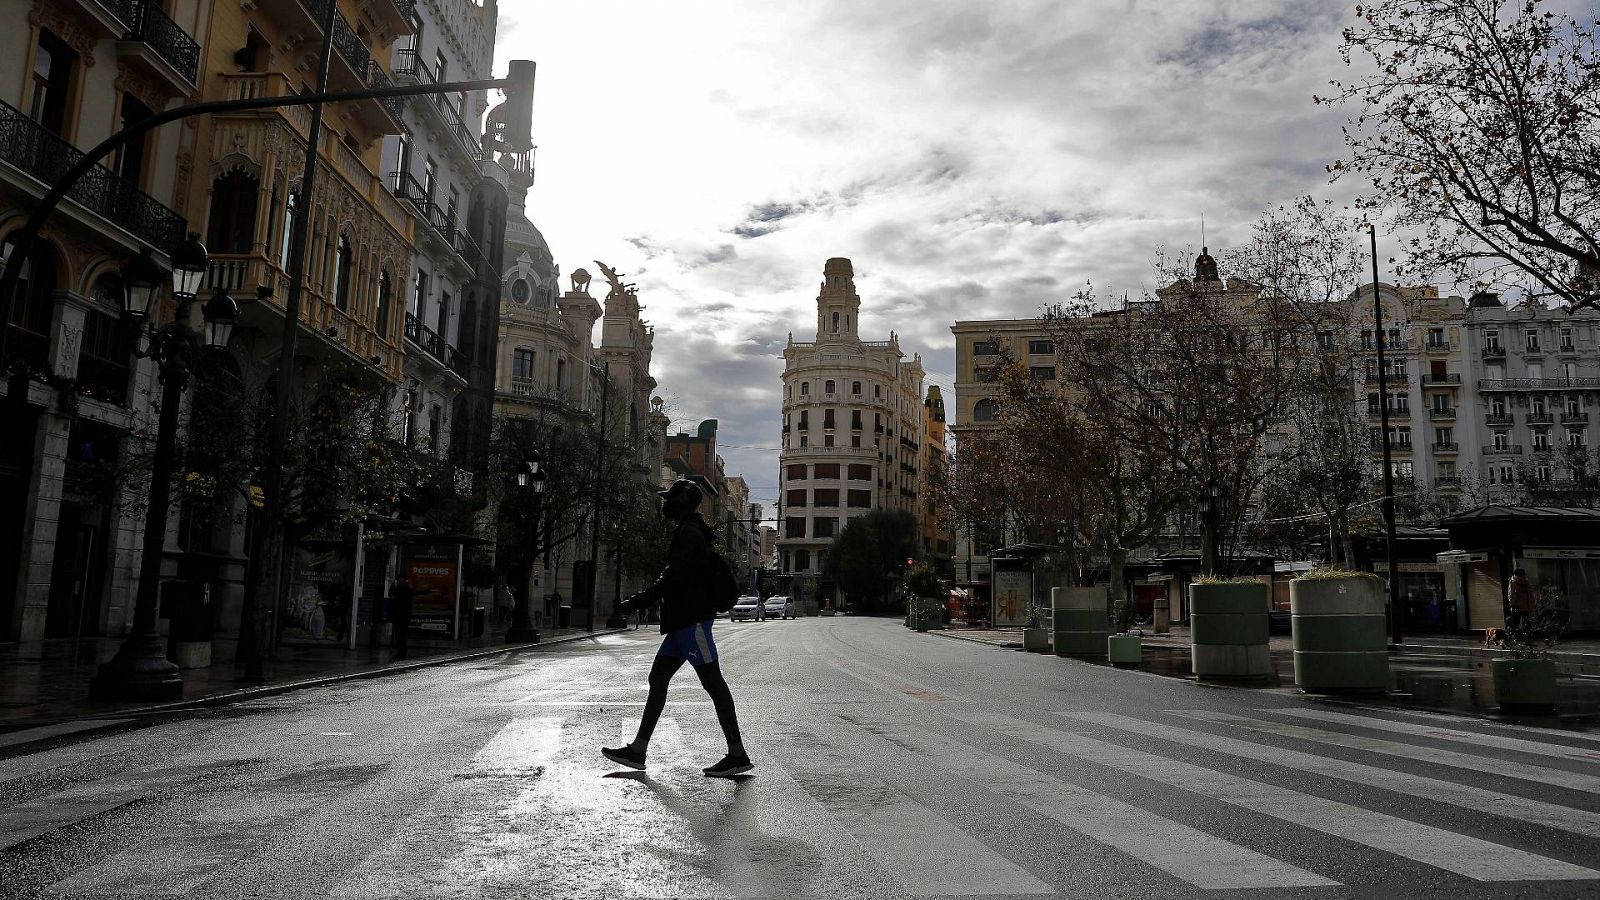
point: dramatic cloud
(973, 159)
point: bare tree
(1478, 128)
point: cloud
(973, 159)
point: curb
(269, 690)
(1571, 656)
(954, 636)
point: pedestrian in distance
(400, 597)
(1520, 591)
(683, 591)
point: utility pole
(1388, 462)
(594, 505)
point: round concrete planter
(1228, 631)
(1525, 684)
(1125, 649)
(1082, 621)
(1036, 640)
(1340, 636)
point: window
(1435, 337)
(1497, 406)
(795, 499)
(1574, 437)
(855, 389)
(826, 470)
(827, 439)
(233, 212)
(130, 157)
(1441, 402)
(1042, 347)
(805, 419)
(1569, 373)
(1566, 340)
(825, 497)
(291, 207)
(1325, 340)
(444, 315)
(1491, 339)
(1372, 405)
(53, 66)
(430, 179)
(983, 411)
(385, 303)
(408, 434)
(1400, 403)
(985, 348)
(522, 365)
(795, 472)
(1447, 469)
(341, 273)
(827, 386)
(1541, 439)
(1538, 407)
(805, 388)
(1541, 473)
(1502, 440)
(860, 472)
(1531, 336)
(824, 527)
(1400, 435)
(827, 417)
(1042, 373)
(794, 526)
(1535, 370)
(435, 427)
(802, 560)
(1398, 367)
(835, 323)
(561, 380)
(860, 499)
(855, 440)
(441, 66)
(803, 442)
(1444, 436)
(1572, 406)
(1402, 468)
(855, 419)
(450, 211)
(877, 392)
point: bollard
(1340, 633)
(1082, 621)
(1228, 631)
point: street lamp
(141, 670)
(529, 478)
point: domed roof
(523, 238)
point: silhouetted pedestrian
(684, 591)
(400, 597)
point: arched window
(344, 260)
(805, 388)
(835, 323)
(983, 411)
(233, 212)
(385, 303)
(827, 386)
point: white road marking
(1537, 748)
(1458, 853)
(1182, 852)
(1477, 799)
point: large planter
(191, 654)
(1036, 640)
(1228, 631)
(1340, 635)
(1125, 649)
(1525, 684)
(1082, 621)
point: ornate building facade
(853, 428)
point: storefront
(1558, 548)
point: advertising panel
(434, 573)
(1013, 591)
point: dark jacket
(683, 586)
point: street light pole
(529, 475)
(141, 670)
(594, 518)
(1388, 460)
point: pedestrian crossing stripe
(1574, 781)
(1472, 857)
(1479, 800)
(1475, 738)
(1185, 853)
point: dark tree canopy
(868, 558)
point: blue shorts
(693, 644)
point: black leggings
(710, 678)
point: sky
(973, 159)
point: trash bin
(480, 621)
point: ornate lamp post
(141, 670)
(529, 478)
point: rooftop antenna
(1202, 230)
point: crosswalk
(886, 797)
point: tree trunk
(1122, 608)
(1208, 542)
(266, 552)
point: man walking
(683, 590)
(400, 597)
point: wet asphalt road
(889, 765)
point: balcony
(1507, 450)
(1574, 418)
(44, 157)
(434, 345)
(1449, 378)
(1395, 412)
(1497, 418)
(1446, 447)
(1389, 377)
(156, 44)
(1494, 351)
(442, 224)
(1537, 384)
(1377, 444)
(1446, 481)
(1442, 415)
(408, 66)
(1437, 346)
(1540, 417)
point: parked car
(780, 608)
(744, 608)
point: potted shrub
(1125, 647)
(1525, 679)
(1035, 635)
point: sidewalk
(48, 681)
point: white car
(780, 608)
(744, 608)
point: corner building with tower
(852, 432)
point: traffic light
(511, 123)
(910, 563)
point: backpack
(722, 589)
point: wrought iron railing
(430, 341)
(1507, 450)
(103, 379)
(25, 144)
(1497, 418)
(1541, 418)
(1446, 480)
(409, 64)
(349, 45)
(1448, 378)
(151, 26)
(1445, 412)
(1503, 384)
(1436, 346)
(377, 78)
(467, 249)
(1446, 447)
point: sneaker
(730, 766)
(624, 756)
